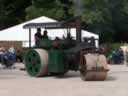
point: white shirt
(11, 50)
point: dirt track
(17, 83)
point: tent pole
(29, 37)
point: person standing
(37, 36)
(45, 34)
(126, 57)
(121, 54)
(114, 56)
(18, 55)
(1, 53)
(11, 50)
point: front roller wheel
(93, 69)
(36, 62)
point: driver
(37, 36)
(45, 35)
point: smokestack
(78, 13)
(78, 7)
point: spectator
(110, 58)
(11, 50)
(1, 53)
(8, 59)
(121, 56)
(127, 57)
(116, 57)
(18, 55)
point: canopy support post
(29, 37)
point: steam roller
(60, 55)
(36, 62)
(94, 67)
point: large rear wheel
(36, 62)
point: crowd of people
(9, 56)
(116, 57)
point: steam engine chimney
(78, 13)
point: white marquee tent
(17, 33)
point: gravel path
(14, 82)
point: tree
(57, 9)
(12, 12)
(119, 14)
(106, 17)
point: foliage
(107, 18)
(57, 9)
(33, 13)
(12, 12)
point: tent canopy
(17, 33)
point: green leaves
(57, 9)
(106, 17)
(53, 13)
(12, 12)
(48, 4)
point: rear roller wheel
(36, 62)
